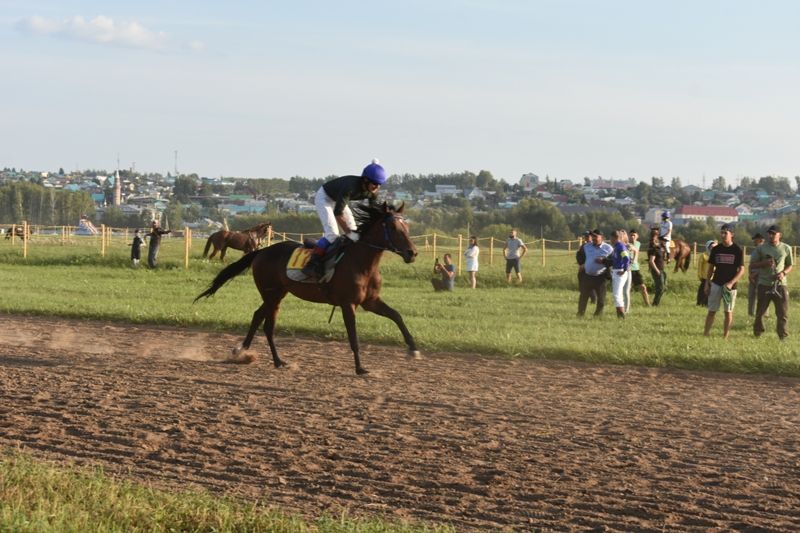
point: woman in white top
(471, 253)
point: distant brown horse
(248, 240)
(18, 232)
(356, 281)
(680, 251)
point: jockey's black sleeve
(345, 189)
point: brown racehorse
(356, 281)
(681, 252)
(18, 232)
(248, 240)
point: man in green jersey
(774, 261)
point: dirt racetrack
(481, 443)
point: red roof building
(720, 213)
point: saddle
(300, 257)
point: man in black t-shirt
(655, 260)
(725, 268)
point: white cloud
(98, 30)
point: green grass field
(36, 497)
(536, 319)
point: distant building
(612, 184)
(528, 182)
(720, 213)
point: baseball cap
(758, 236)
(726, 227)
(774, 229)
(597, 232)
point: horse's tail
(688, 256)
(208, 245)
(227, 274)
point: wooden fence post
(544, 252)
(187, 240)
(269, 235)
(13, 234)
(102, 240)
(491, 250)
(434, 246)
(460, 252)
(24, 239)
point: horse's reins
(392, 247)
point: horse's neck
(365, 257)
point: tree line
(42, 206)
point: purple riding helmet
(374, 173)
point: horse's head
(386, 228)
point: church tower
(117, 190)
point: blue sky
(566, 88)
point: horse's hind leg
(258, 318)
(222, 253)
(272, 304)
(379, 307)
(349, 315)
(213, 253)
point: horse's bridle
(386, 239)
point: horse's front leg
(379, 307)
(349, 315)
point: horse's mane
(258, 228)
(366, 215)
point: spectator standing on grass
(725, 268)
(446, 272)
(580, 257)
(136, 248)
(597, 254)
(620, 269)
(655, 260)
(702, 273)
(154, 243)
(752, 277)
(635, 280)
(514, 251)
(774, 261)
(471, 253)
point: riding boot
(316, 266)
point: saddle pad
(299, 258)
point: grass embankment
(536, 319)
(37, 497)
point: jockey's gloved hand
(353, 236)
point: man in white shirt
(513, 251)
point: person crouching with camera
(446, 272)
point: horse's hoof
(279, 363)
(236, 351)
(414, 354)
(362, 371)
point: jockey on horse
(334, 212)
(665, 233)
